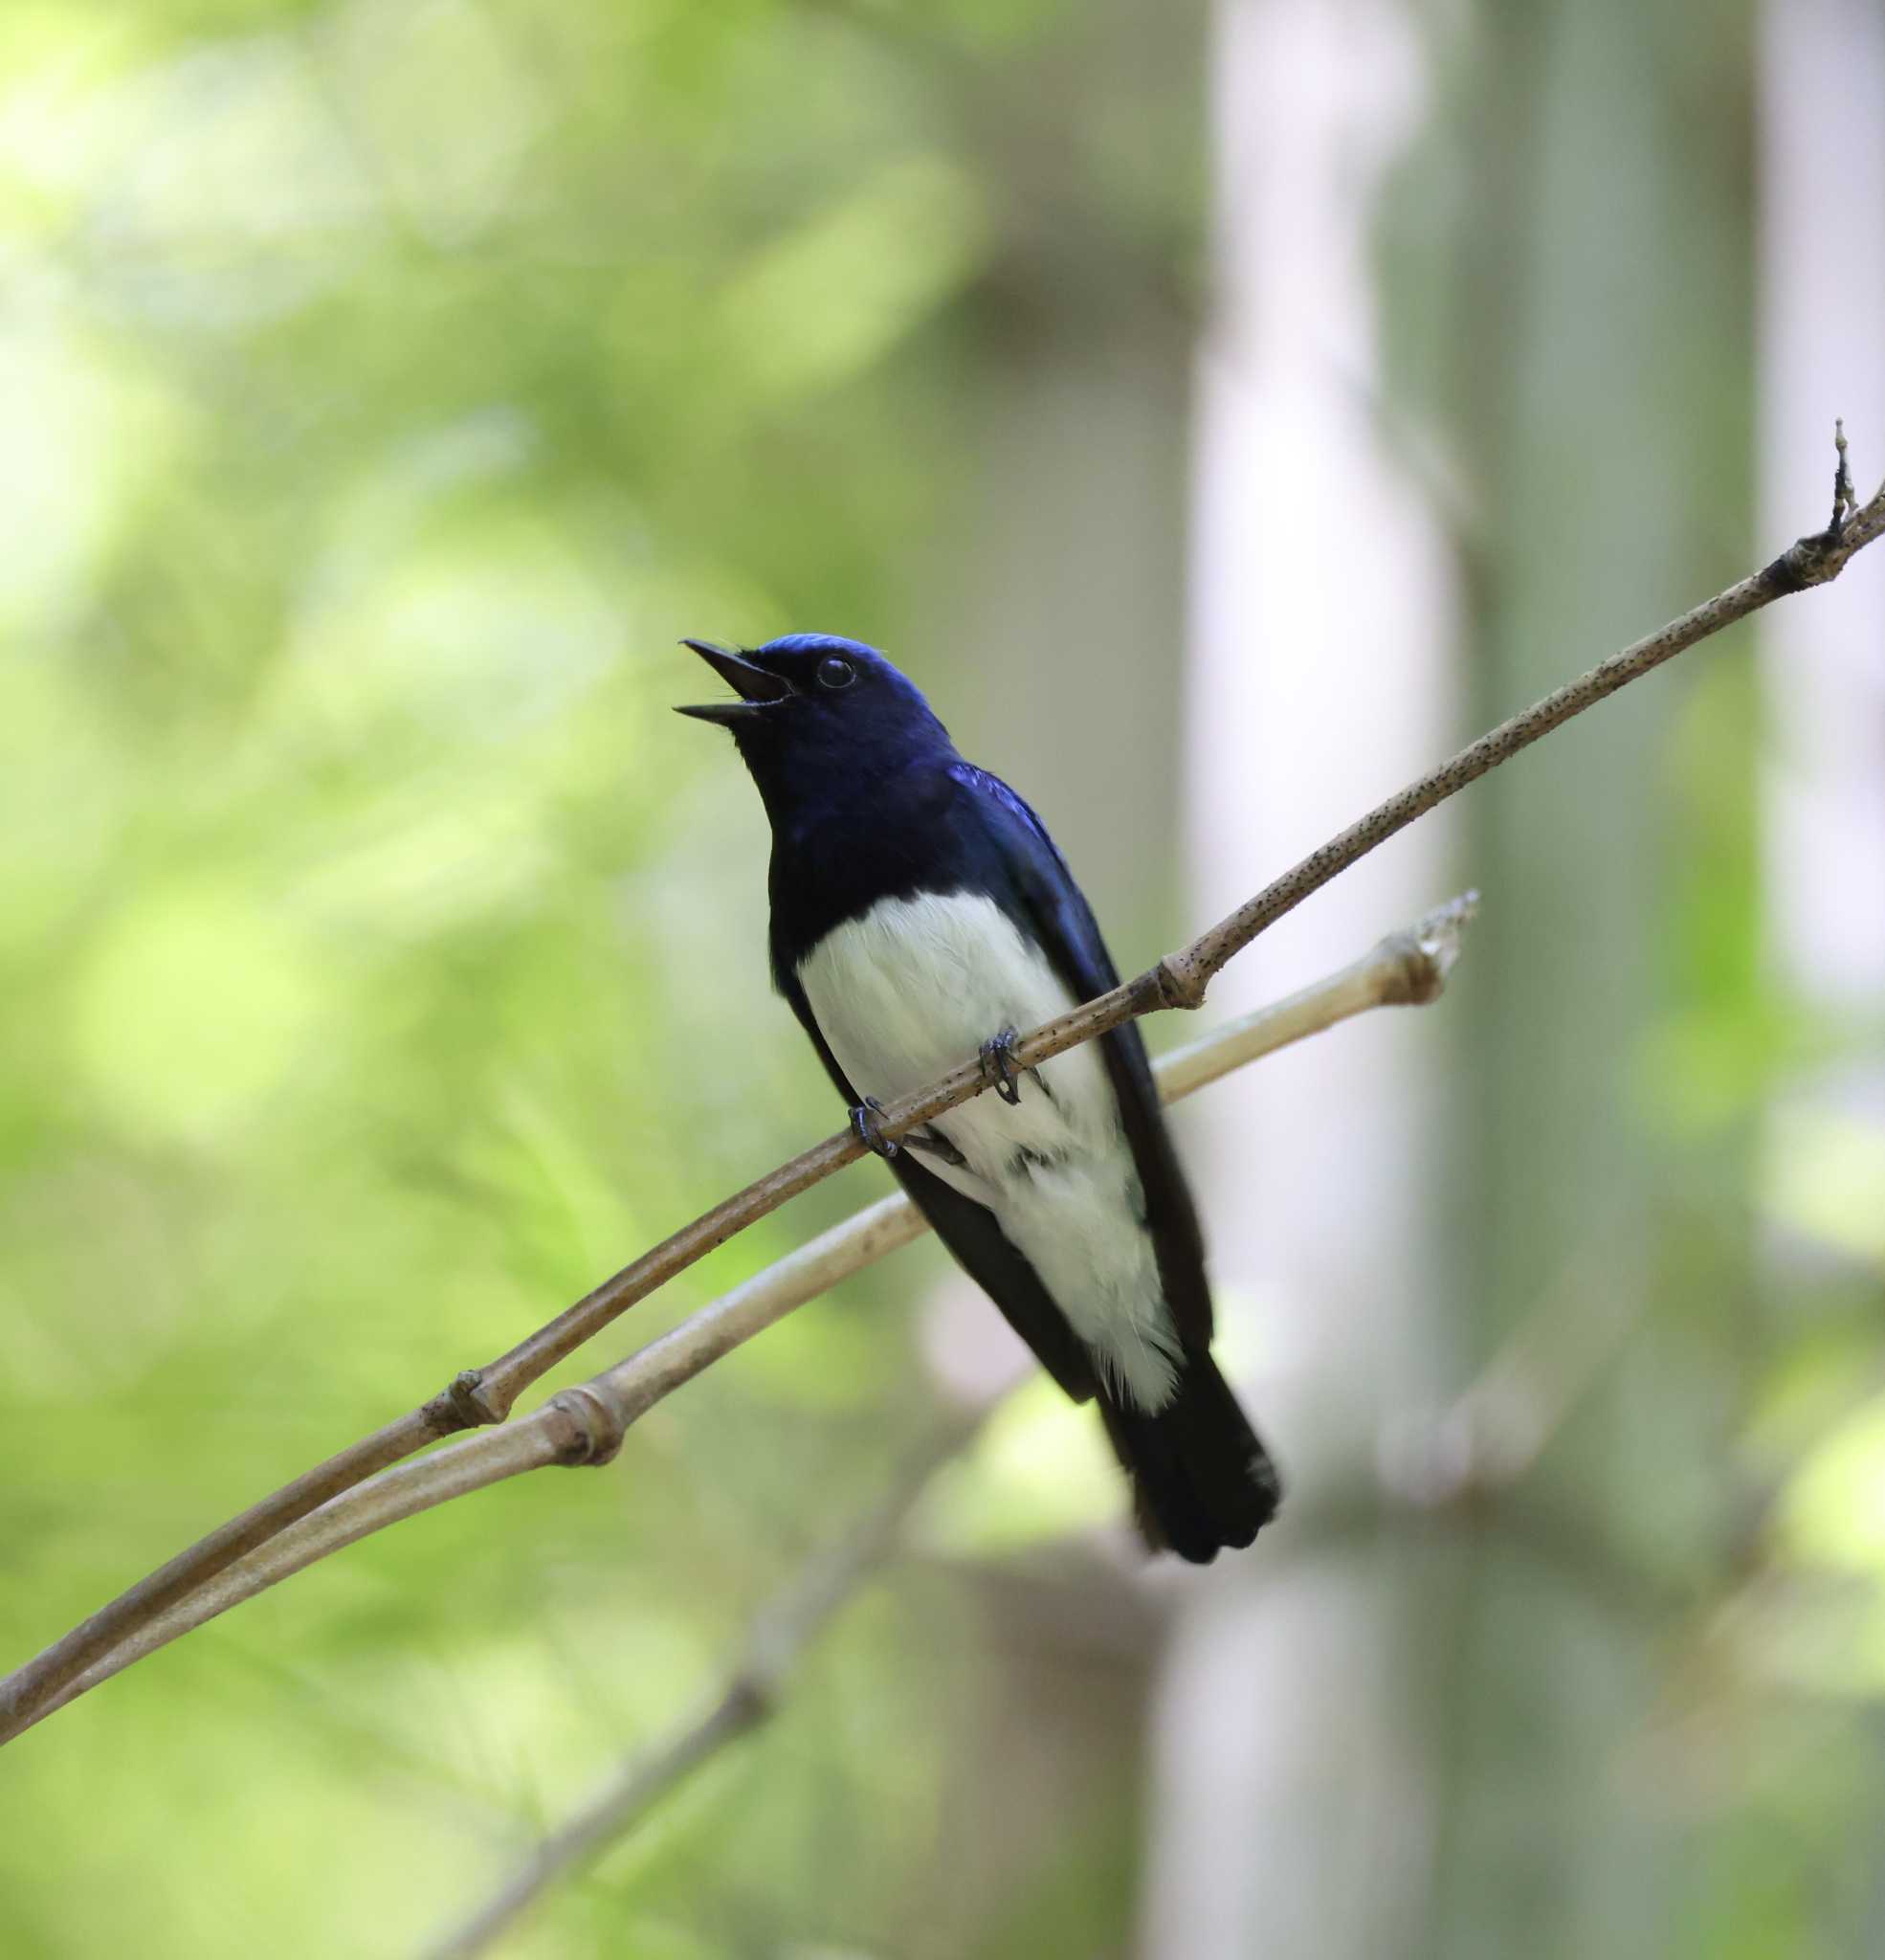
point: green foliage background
(382, 390)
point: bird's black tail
(1201, 1477)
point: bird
(921, 914)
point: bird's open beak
(756, 688)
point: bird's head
(814, 713)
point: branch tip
(1427, 952)
(1845, 500)
(1818, 559)
(1441, 935)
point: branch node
(1808, 562)
(594, 1430)
(752, 1696)
(471, 1405)
(1176, 981)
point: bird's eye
(834, 671)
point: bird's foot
(864, 1121)
(998, 1069)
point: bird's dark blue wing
(1045, 895)
(971, 1233)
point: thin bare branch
(488, 1394)
(752, 1690)
(587, 1424)
(1491, 1436)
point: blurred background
(1223, 412)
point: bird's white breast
(915, 985)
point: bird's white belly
(915, 985)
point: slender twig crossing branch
(585, 1425)
(488, 1394)
(1460, 1459)
(752, 1689)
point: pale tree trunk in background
(1821, 111)
(1060, 599)
(1601, 383)
(1293, 1770)
(1071, 620)
(1821, 116)
(1436, 1747)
